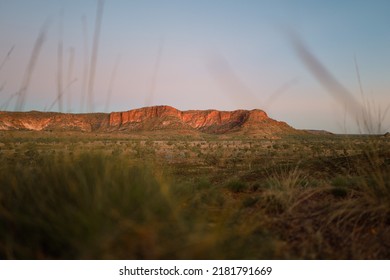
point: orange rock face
(149, 118)
(211, 121)
(141, 115)
(45, 121)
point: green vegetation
(119, 196)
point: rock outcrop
(148, 119)
(47, 121)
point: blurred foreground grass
(98, 207)
(211, 199)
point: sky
(196, 54)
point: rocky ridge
(148, 119)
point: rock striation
(148, 119)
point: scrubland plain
(157, 195)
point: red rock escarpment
(45, 121)
(196, 119)
(211, 121)
(148, 118)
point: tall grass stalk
(62, 95)
(369, 118)
(111, 83)
(365, 216)
(85, 63)
(70, 79)
(6, 58)
(94, 56)
(60, 58)
(373, 116)
(22, 93)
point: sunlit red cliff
(148, 119)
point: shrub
(237, 186)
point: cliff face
(209, 121)
(148, 118)
(50, 121)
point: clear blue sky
(195, 54)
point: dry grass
(133, 197)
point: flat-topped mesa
(169, 117)
(165, 118)
(210, 121)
